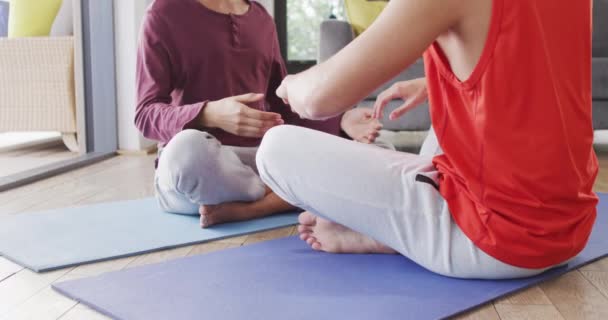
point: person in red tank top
(509, 157)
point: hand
(359, 124)
(412, 92)
(234, 116)
(282, 89)
(293, 92)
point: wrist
(205, 117)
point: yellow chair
(362, 13)
(32, 18)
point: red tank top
(518, 165)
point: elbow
(138, 120)
(142, 125)
(316, 114)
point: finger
(376, 125)
(382, 101)
(373, 135)
(401, 110)
(260, 115)
(282, 91)
(251, 132)
(249, 97)
(252, 122)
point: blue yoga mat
(284, 279)
(61, 238)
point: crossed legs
(363, 199)
(198, 175)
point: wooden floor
(30, 156)
(581, 294)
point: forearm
(380, 53)
(161, 121)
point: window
(298, 23)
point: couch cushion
(600, 78)
(600, 28)
(600, 115)
(417, 119)
(32, 18)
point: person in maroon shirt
(207, 72)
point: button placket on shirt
(235, 31)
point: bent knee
(188, 154)
(275, 148)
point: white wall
(127, 20)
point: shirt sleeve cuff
(189, 115)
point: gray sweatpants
(195, 169)
(376, 192)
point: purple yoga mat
(284, 279)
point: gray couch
(336, 34)
(600, 64)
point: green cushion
(362, 13)
(32, 18)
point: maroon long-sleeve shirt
(189, 54)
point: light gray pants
(195, 169)
(375, 192)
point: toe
(307, 219)
(316, 246)
(311, 240)
(205, 210)
(207, 220)
(305, 236)
(304, 228)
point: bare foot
(239, 211)
(324, 235)
(221, 213)
(359, 124)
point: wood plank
(159, 256)
(599, 279)
(268, 235)
(48, 304)
(135, 176)
(575, 297)
(601, 265)
(530, 296)
(23, 285)
(95, 269)
(210, 247)
(528, 312)
(8, 268)
(105, 168)
(56, 180)
(485, 312)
